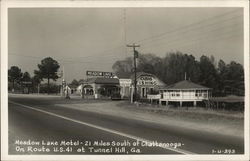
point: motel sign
(100, 74)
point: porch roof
(185, 85)
(114, 81)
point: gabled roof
(139, 74)
(103, 80)
(185, 84)
(132, 75)
(73, 86)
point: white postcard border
(110, 4)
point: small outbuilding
(184, 92)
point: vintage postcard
(125, 80)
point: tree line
(224, 79)
(47, 69)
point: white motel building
(184, 92)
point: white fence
(153, 96)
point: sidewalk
(217, 125)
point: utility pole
(63, 82)
(135, 56)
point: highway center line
(104, 129)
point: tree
(48, 70)
(123, 68)
(209, 76)
(26, 77)
(36, 80)
(169, 69)
(74, 83)
(148, 63)
(213, 61)
(175, 65)
(222, 69)
(81, 81)
(234, 78)
(14, 75)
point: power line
(173, 41)
(114, 55)
(208, 40)
(191, 29)
(184, 27)
(119, 47)
(152, 37)
(168, 32)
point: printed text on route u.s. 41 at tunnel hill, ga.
(87, 146)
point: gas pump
(63, 88)
(67, 92)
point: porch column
(195, 103)
(180, 103)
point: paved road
(40, 119)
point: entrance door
(144, 92)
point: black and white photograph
(125, 80)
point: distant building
(99, 87)
(26, 86)
(183, 92)
(125, 87)
(146, 84)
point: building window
(198, 93)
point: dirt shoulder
(216, 122)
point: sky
(82, 39)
